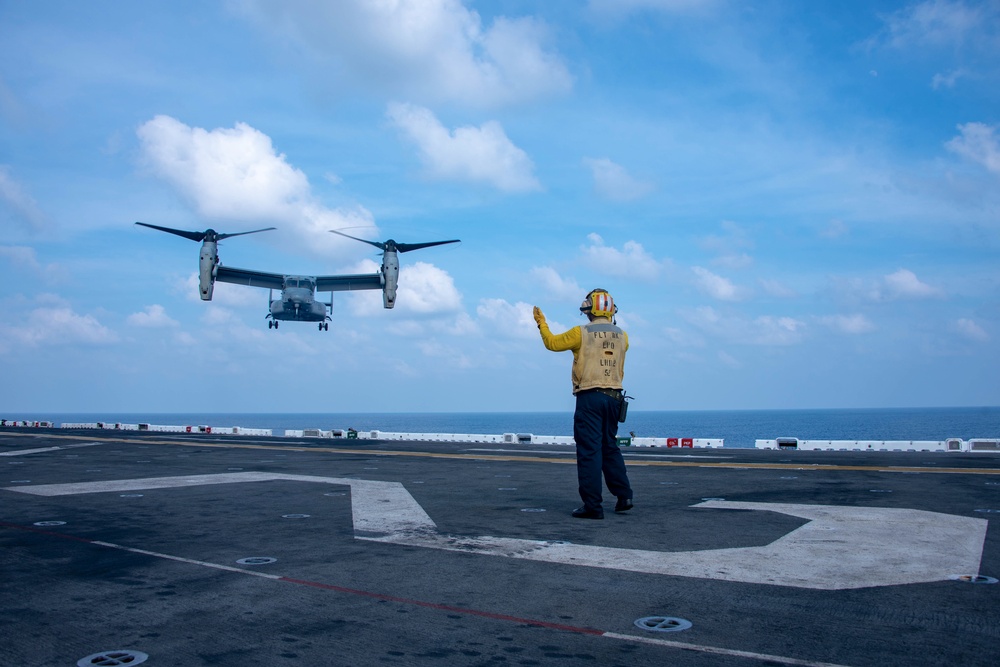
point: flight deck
(203, 549)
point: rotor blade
(380, 246)
(226, 236)
(194, 236)
(407, 247)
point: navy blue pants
(595, 427)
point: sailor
(598, 367)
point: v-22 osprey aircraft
(298, 293)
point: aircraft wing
(349, 282)
(228, 274)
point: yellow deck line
(539, 459)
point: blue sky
(795, 205)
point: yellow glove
(539, 316)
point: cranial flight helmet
(599, 303)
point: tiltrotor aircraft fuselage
(298, 301)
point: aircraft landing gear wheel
(270, 324)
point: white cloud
(423, 290)
(978, 143)
(971, 330)
(736, 328)
(932, 23)
(834, 229)
(632, 261)
(728, 359)
(848, 324)
(947, 80)
(153, 317)
(477, 155)
(905, 284)
(555, 285)
(20, 203)
(449, 355)
(225, 294)
(508, 320)
(777, 289)
(729, 246)
(716, 286)
(216, 316)
(230, 341)
(462, 325)
(613, 182)
(225, 173)
(734, 262)
(902, 284)
(426, 290)
(683, 337)
(25, 257)
(768, 330)
(20, 256)
(236, 175)
(55, 325)
(427, 50)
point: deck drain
(110, 658)
(662, 624)
(533, 509)
(985, 511)
(973, 578)
(130, 495)
(507, 488)
(789, 477)
(49, 523)
(257, 560)
(708, 499)
(880, 490)
(294, 516)
(336, 493)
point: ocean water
(738, 428)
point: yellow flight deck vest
(598, 353)
(600, 361)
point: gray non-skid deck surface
(432, 553)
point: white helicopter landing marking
(839, 548)
(21, 452)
